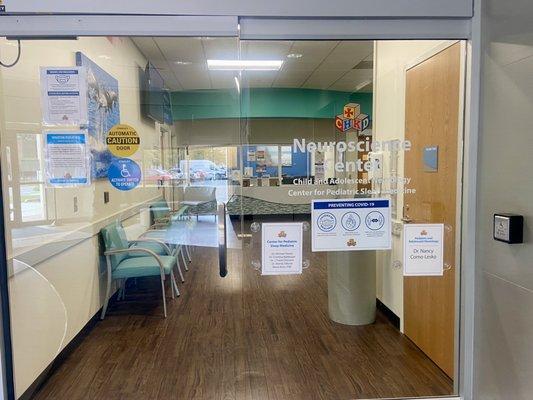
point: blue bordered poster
(67, 158)
(351, 224)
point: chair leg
(164, 299)
(172, 280)
(123, 291)
(175, 285)
(184, 262)
(188, 253)
(179, 269)
(106, 299)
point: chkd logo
(424, 233)
(352, 118)
(351, 243)
(282, 234)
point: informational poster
(67, 158)
(423, 249)
(351, 224)
(251, 156)
(282, 248)
(124, 174)
(64, 95)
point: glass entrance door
(336, 164)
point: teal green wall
(265, 103)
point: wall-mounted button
(508, 228)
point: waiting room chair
(162, 217)
(135, 259)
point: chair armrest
(137, 250)
(153, 240)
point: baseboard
(393, 318)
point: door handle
(222, 240)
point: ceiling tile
(265, 50)
(221, 48)
(352, 79)
(347, 55)
(181, 49)
(322, 79)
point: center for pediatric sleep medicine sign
(282, 248)
(67, 158)
(64, 95)
(351, 225)
(423, 249)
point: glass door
(331, 168)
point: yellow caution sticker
(123, 140)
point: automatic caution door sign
(122, 140)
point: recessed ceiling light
(179, 62)
(248, 65)
(294, 55)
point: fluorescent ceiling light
(247, 65)
(294, 55)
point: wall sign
(123, 140)
(282, 248)
(124, 174)
(67, 158)
(431, 159)
(423, 249)
(63, 95)
(351, 224)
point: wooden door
(432, 118)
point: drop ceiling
(333, 65)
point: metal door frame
(50, 26)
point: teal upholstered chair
(127, 259)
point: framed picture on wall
(103, 112)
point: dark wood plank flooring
(241, 337)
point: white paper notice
(282, 248)
(67, 159)
(423, 249)
(351, 224)
(64, 95)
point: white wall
(53, 300)
(390, 60)
(503, 338)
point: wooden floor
(240, 337)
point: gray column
(352, 287)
